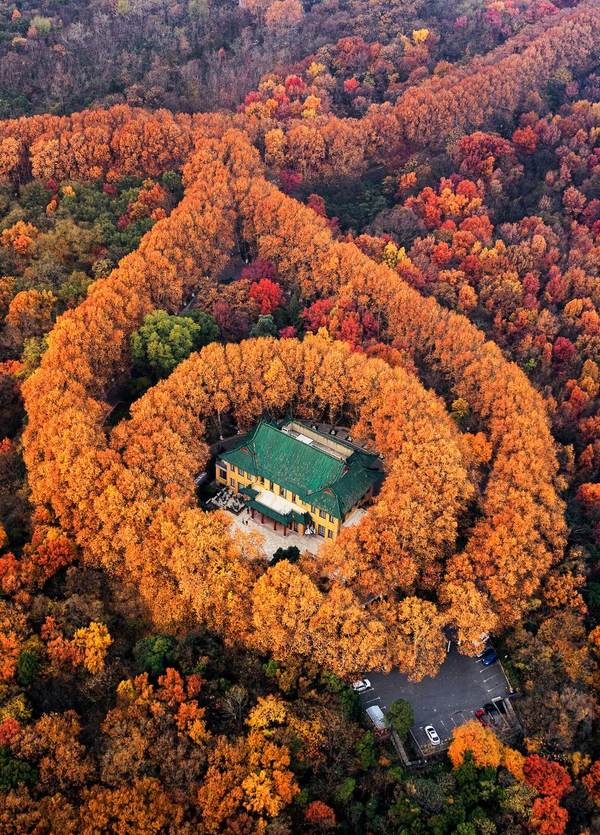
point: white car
(432, 735)
(377, 717)
(362, 685)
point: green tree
(14, 772)
(344, 791)
(400, 717)
(365, 751)
(42, 25)
(292, 554)
(154, 653)
(27, 668)
(289, 315)
(172, 181)
(73, 289)
(265, 326)
(164, 341)
(209, 330)
(31, 356)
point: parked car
(362, 685)
(432, 735)
(485, 648)
(490, 656)
(377, 717)
(480, 715)
(494, 714)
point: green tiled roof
(301, 518)
(272, 514)
(319, 479)
(284, 518)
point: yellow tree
(283, 602)
(95, 641)
(417, 644)
(143, 808)
(485, 747)
(346, 639)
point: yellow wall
(244, 480)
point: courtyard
(274, 539)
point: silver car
(362, 685)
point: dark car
(493, 713)
(489, 657)
(481, 717)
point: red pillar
(274, 525)
(284, 530)
(252, 512)
(262, 519)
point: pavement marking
(375, 699)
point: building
(298, 477)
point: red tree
(563, 350)
(592, 783)
(548, 817)
(547, 777)
(525, 139)
(320, 815)
(318, 314)
(257, 270)
(267, 295)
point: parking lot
(462, 686)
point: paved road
(461, 686)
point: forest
(380, 215)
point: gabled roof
(330, 483)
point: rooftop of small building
(324, 471)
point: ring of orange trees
(162, 447)
(127, 497)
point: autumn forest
(381, 215)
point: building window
(312, 508)
(222, 474)
(271, 485)
(241, 472)
(322, 513)
(262, 481)
(232, 482)
(295, 526)
(294, 497)
(330, 534)
(331, 518)
(321, 530)
(281, 490)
